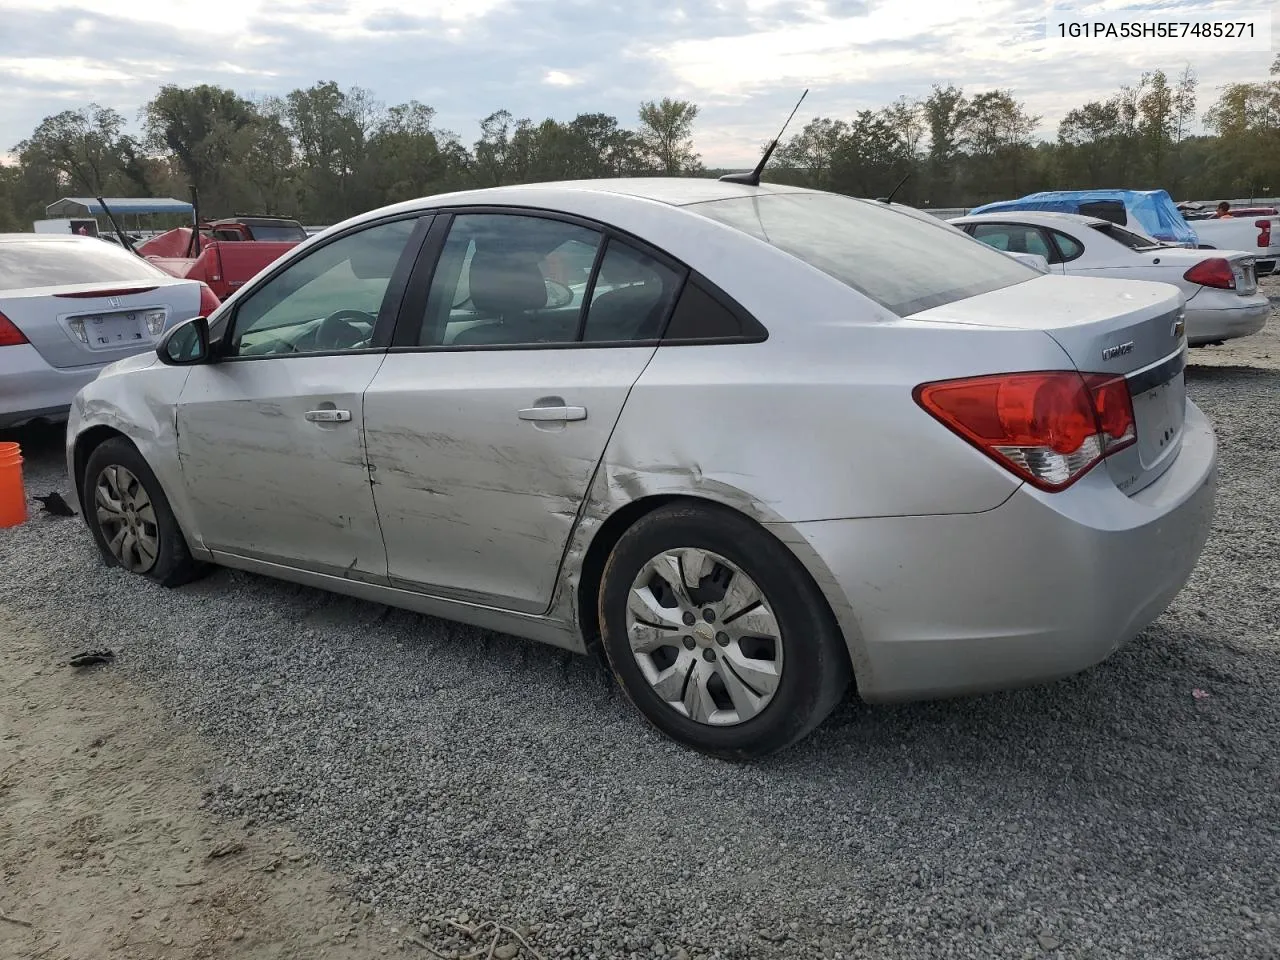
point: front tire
(717, 634)
(130, 517)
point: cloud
(558, 78)
(743, 61)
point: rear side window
(906, 263)
(1070, 247)
(51, 263)
(702, 316)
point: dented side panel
(144, 414)
(267, 483)
(477, 503)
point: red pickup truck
(226, 253)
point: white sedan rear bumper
(1210, 320)
(33, 390)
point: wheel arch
(590, 574)
(86, 442)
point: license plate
(114, 330)
(1246, 279)
(1158, 415)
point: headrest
(503, 282)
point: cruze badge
(1119, 350)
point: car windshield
(905, 261)
(1133, 241)
(53, 263)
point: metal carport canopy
(88, 206)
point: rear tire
(717, 634)
(130, 517)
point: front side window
(327, 301)
(509, 279)
(872, 247)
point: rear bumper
(1041, 587)
(33, 390)
(1209, 324)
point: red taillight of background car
(209, 301)
(1048, 428)
(1264, 232)
(1214, 272)
(10, 335)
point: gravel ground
(1128, 812)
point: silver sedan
(728, 436)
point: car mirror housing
(185, 344)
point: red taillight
(1264, 232)
(1214, 272)
(114, 292)
(209, 301)
(1048, 428)
(10, 335)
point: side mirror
(185, 344)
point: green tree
(85, 147)
(203, 129)
(666, 136)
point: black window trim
(413, 306)
(392, 298)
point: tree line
(323, 153)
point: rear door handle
(328, 416)
(553, 413)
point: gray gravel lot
(445, 770)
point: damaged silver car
(726, 433)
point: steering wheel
(337, 332)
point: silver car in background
(1220, 286)
(757, 455)
(71, 305)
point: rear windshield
(905, 262)
(1130, 239)
(51, 263)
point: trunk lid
(89, 324)
(1128, 328)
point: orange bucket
(13, 495)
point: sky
(744, 62)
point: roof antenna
(894, 192)
(752, 179)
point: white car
(71, 305)
(1220, 286)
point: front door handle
(329, 416)
(553, 413)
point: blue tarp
(1154, 210)
(88, 206)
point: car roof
(671, 191)
(1043, 217)
(45, 237)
